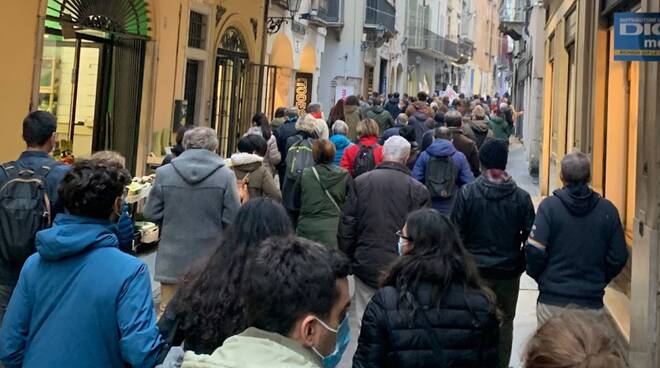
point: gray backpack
(24, 210)
(441, 175)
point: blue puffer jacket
(341, 142)
(441, 148)
(81, 302)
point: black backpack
(365, 160)
(24, 210)
(441, 175)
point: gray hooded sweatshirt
(193, 199)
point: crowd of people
(388, 235)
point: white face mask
(400, 246)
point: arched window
(122, 17)
(233, 41)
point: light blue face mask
(400, 247)
(343, 333)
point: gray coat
(193, 199)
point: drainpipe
(264, 34)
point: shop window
(197, 30)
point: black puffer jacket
(463, 321)
(377, 208)
(494, 218)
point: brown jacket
(260, 181)
(468, 148)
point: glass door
(69, 84)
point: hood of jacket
(71, 235)
(340, 141)
(420, 116)
(578, 199)
(255, 348)
(497, 120)
(195, 165)
(378, 109)
(495, 188)
(480, 125)
(369, 140)
(440, 148)
(393, 101)
(246, 161)
(330, 175)
(307, 125)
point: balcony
(465, 48)
(326, 13)
(513, 19)
(433, 45)
(380, 12)
(331, 11)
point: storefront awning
(125, 18)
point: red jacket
(350, 153)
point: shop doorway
(91, 75)
(382, 77)
(232, 70)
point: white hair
(314, 107)
(340, 127)
(396, 148)
(201, 138)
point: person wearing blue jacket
(442, 147)
(80, 301)
(339, 139)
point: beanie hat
(494, 154)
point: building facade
(523, 21)
(125, 81)
(362, 51)
(608, 109)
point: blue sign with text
(637, 36)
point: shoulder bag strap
(325, 190)
(431, 337)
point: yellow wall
(18, 27)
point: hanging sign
(303, 91)
(637, 36)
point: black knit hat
(494, 154)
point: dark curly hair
(290, 278)
(437, 257)
(91, 188)
(209, 303)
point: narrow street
(525, 322)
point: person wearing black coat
(377, 207)
(422, 124)
(432, 310)
(494, 217)
(577, 246)
(282, 134)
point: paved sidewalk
(525, 322)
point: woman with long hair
(208, 307)
(432, 310)
(261, 126)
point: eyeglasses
(400, 235)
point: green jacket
(382, 117)
(255, 348)
(501, 129)
(319, 217)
